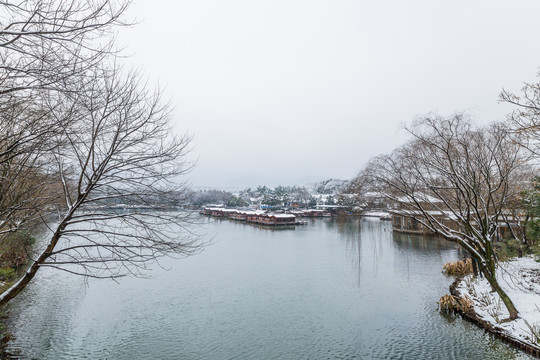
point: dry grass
(534, 332)
(465, 303)
(470, 282)
(451, 304)
(458, 267)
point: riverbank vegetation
(519, 278)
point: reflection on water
(336, 288)
(425, 244)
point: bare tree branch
(458, 181)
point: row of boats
(264, 218)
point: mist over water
(334, 289)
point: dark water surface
(334, 289)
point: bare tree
(457, 180)
(47, 48)
(119, 150)
(47, 44)
(525, 119)
(76, 130)
(26, 185)
(352, 194)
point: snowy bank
(520, 279)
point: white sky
(288, 92)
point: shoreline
(498, 332)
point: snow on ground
(520, 278)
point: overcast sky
(289, 92)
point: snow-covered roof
(447, 214)
(256, 212)
(419, 197)
(376, 213)
(284, 216)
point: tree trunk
(489, 268)
(476, 269)
(502, 294)
(19, 286)
(16, 288)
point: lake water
(333, 289)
